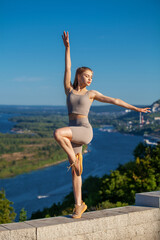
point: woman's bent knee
(56, 134)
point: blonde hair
(79, 71)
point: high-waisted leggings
(82, 133)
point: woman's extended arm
(67, 73)
(101, 98)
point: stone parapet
(122, 223)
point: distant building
(157, 118)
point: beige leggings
(82, 133)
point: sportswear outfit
(82, 132)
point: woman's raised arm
(67, 73)
(101, 98)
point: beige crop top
(78, 104)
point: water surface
(42, 188)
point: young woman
(79, 131)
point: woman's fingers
(65, 38)
(145, 110)
(65, 35)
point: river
(5, 124)
(42, 188)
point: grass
(26, 154)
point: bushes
(140, 175)
(112, 190)
(117, 188)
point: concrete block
(129, 223)
(68, 230)
(152, 228)
(141, 217)
(20, 231)
(89, 223)
(142, 230)
(151, 199)
(117, 221)
(51, 232)
(139, 238)
(111, 234)
(147, 237)
(93, 236)
(4, 233)
(136, 230)
(123, 233)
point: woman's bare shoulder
(93, 93)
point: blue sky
(119, 40)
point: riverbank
(20, 154)
(41, 188)
(32, 147)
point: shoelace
(74, 209)
(70, 166)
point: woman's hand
(65, 38)
(144, 110)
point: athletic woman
(79, 131)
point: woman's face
(86, 78)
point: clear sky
(118, 39)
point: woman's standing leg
(77, 180)
(63, 136)
(80, 207)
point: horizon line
(38, 105)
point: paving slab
(151, 199)
(128, 222)
(20, 231)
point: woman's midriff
(73, 116)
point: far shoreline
(43, 167)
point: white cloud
(28, 79)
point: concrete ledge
(150, 199)
(130, 222)
(16, 231)
(123, 223)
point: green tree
(140, 175)
(22, 215)
(7, 214)
(117, 188)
